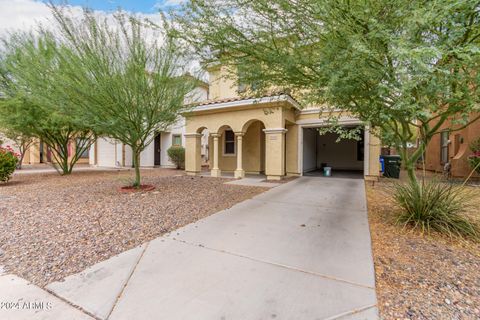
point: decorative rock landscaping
(54, 226)
(421, 277)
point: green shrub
(435, 206)
(474, 158)
(177, 156)
(8, 163)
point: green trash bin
(392, 166)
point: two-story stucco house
(273, 135)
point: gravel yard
(420, 277)
(53, 226)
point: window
(81, 143)
(444, 135)
(229, 147)
(245, 85)
(176, 140)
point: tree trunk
(409, 161)
(411, 170)
(20, 161)
(136, 164)
(64, 164)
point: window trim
(173, 140)
(224, 143)
(446, 146)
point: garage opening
(345, 157)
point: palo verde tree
(126, 76)
(404, 67)
(34, 103)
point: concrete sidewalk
(21, 300)
(298, 251)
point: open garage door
(345, 157)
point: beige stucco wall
(238, 119)
(374, 148)
(254, 148)
(222, 85)
(32, 154)
(292, 150)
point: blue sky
(145, 6)
(26, 14)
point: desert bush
(177, 156)
(474, 158)
(436, 206)
(8, 163)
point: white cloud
(27, 14)
(22, 14)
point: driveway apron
(299, 251)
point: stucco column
(275, 153)
(373, 148)
(239, 172)
(215, 172)
(193, 158)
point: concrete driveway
(298, 251)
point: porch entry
(241, 152)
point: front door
(157, 148)
(42, 152)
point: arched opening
(227, 149)
(253, 146)
(204, 148)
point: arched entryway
(253, 144)
(239, 152)
(204, 147)
(223, 151)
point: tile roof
(225, 100)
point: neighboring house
(107, 152)
(452, 147)
(273, 135)
(39, 152)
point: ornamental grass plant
(436, 206)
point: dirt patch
(282, 181)
(418, 276)
(54, 226)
